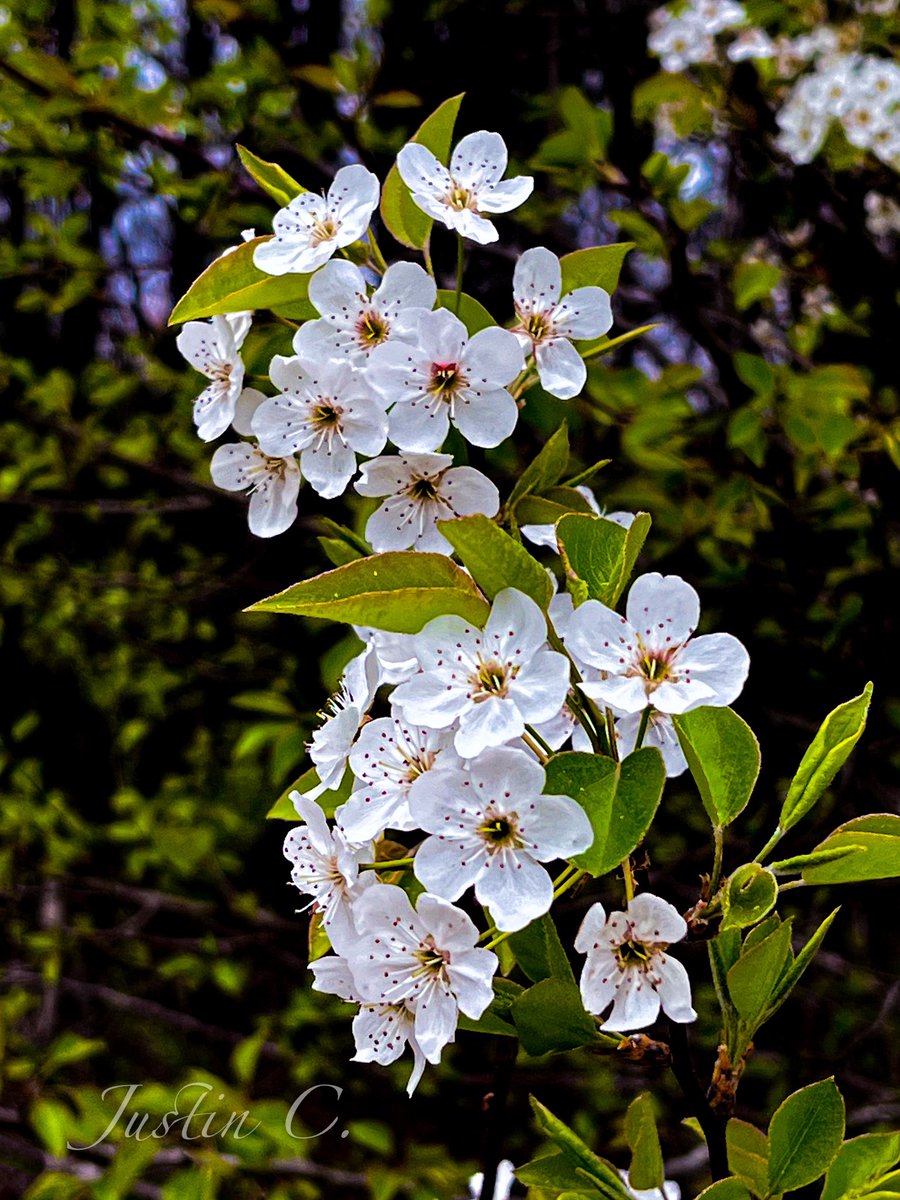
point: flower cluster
(834, 82)
(434, 756)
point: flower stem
(460, 265)
(769, 846)
(628, 876)
(387, 864)
(426, 254)
(531, 736)
(377, 257)
(572, 879)
(642, 728)
(611, 735)
(719, 847)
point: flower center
(460, 198)
(446, 380)
(372, 329)
(325, 417)
(433, 960)
(222, 373)
(323, 231)
(500, 832)
(418, 765)
(536, 326)
(492, 679)
(633, 954)
(422, 489)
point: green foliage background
(147, 724)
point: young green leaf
(546, 469)
(540, 953)
(815, 858)
(273, 180)
(472, 313)
(601, 553)
(231, 283)
(748, 1155)
(752, 979)
(402, 216)
(861, 1164)
(598, 1169)
(646, 1170)
(723, 755)
(550, 1016)
(553, 1172)
(876, 853)
(596, 266)
(496, 560)
(790, 977)
(726, 1189)
(747, 896)
(400, 592)
(804, 1136)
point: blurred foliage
(149, 934)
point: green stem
(611, 735)
(377, 257)
(388, 864)
(719, 848)
(642, 728)
(532, 745)
(794, 883)
(628, 876)
(533, 733)
(770, 845)
(569, 882)
(460, 266)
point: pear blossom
(326, 867)
(311, 228)
(394, 654)
(212, 348)
(472, 187)
(381, 1031)
(327, 414)
(426, 957)
(389, 762)
(681, 41)
(751, 44)
(660, 732)
(447, 376)
(505, 1178)
(718, 15)
(489, 684)
(546, 322)
(353, 323)
(492, 828)
(422, 489)
(274, 485)
(627, 964)
(330, 745)
(650, 656)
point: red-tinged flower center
(372, 329)
(446, 380)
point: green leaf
(283, 808)
(402, 216)
(815, 858)
(752, 979)
(620, 800)
(723, 755)
(876, 839)
(748, 1155)
(547, 510)
(790, 977)
(472, 313)
(601, 553)
(804, 1136)
(273, 180)
(496, 560)
(598, 1169)
(233, 284)
(749, 894)
(646, 1170)
(540, 953)
(400, 592)
(597, 266)
(550, 1016)
(545, 470)
(754, 281)
(860, 1165)
(829, 750)
(725, 1189)
(552, 1172)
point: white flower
(389, 761)
(882, 214)
(718, 15)
(447, 376)
(669, 1190)
(680, 42)
(546, 322)
(752, 44)
(330, 745)
(491, 828)
(802, 130)
(325, 413)
(274, 484)
(502, 1188)
(422, 489)
(381, 1031)
(491, 684)
(212, 349)
(660, 732)
(425, 957)
(473, 186)
(394, 653)
(311, 228)
(650, 656)
(627, 963)
(353, 323)
(327, 868)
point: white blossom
(472, 187)
(352, 322)
(447, 376)
(394, 653)
(751, 44)
(330, 745)
(492, 828)
(274, 485)
(546, 320)
(422, 489)
(627, 964)
(212, 348)
(882, 214)
(502, 1188)
(381, 1031)
(311, 228)
(660, 732)
(425, 957)
(716, 16)
(389, 762)
(489, 684)
(650, 656)
(326, 414)
(326, 868)
(681, 41)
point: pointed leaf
(646, 1170)
(546, 469)
(496, 560)
(596, 266)
(273, 180)
(601, 553)
(748, 1155)
(804, 1136)
(876, 839)
(723, 755)
(573, 1147)
(233, 284)
(540, 953)
(752, 979)
(550, 1016)
(861, 1164)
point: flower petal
(663, 609)
(485, 417)
(537, 281)
(515, 888)
(560, 367)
